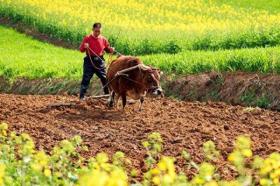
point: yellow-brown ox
(128, 76)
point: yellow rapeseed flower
(2, 173)
(47, 172)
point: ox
(128, 76)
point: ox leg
(117, 100)
(141, 103)
(123, 100)
(111, 99)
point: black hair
(96, 25)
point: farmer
(95, 46)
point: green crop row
(22, 56)
(262, 60)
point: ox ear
(158, 70)
(133, 62)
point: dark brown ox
(128, 76)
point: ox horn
(144, 67)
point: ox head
(151, 80)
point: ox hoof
(110, 104)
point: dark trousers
(89, 70)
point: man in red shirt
(95, 45)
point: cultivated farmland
(225, 54)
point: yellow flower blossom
(2, 173)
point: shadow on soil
(98, 114)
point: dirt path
(183, 125)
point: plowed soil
(183, 125)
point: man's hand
(86, 45)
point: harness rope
(94, 66)
(91, 61)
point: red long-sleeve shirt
(98, 44)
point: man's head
(96, 29)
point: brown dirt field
(183, 125)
